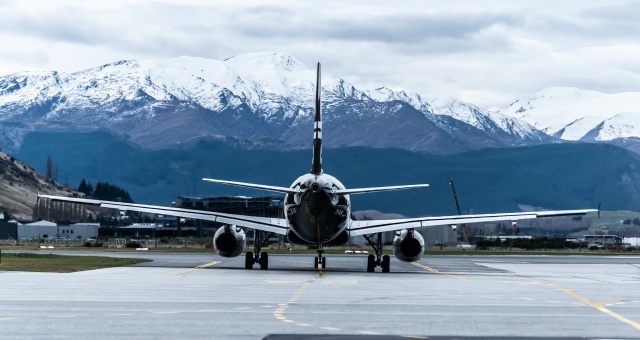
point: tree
(85, 188)
(636, 221)
(627, 221)
(110, 192)
(49, 170)
(55, 173)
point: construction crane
(463, 227)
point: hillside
(19, 185)
(557, 176)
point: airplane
(317, 212)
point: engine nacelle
(408, 245)
(229, 241)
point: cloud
(488, 52)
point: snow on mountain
(159, 103)
(574, 114)
(434, 105)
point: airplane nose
(315, 187)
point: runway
(205, 296)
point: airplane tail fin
(316, 166)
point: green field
(59, 263)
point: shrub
(132, 244)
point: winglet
(316, 166)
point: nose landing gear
(320, 261)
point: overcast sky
(485, 52)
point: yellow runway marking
(368, 332)
(435, 271)
(184, 271)
(164, 313)
(598, 306)
(330, 328)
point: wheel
(264, 261)
(315, 262)
(324, 262)
(371, 263)
(386, 264)
(248, 260)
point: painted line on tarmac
(598, 306)
(184, 271)
(61, 316)
(435, 271)
(282, 307)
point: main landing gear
(376, 260)
(320, 261)
(256, 256)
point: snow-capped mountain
(574, 114)
(434, 105)
(258, 96)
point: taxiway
(205, 296)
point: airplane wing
(274, 225)
(377, 226)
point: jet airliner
(317, 212)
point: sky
(488, 53)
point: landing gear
(248, 260)
(386, 264)
(376, 260)
(256, 256)
(371, 263)
(320, 261)
(264, 261)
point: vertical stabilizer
(316, 166)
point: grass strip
(60, 263)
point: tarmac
(196, 296)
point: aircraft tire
(386, 264)
(248, 260)
(371, 263)
(264, 261)
(315, 262)
(324, 262)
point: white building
(45, 229)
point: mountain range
(254, 97)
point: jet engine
(229, 241)
(408, 245)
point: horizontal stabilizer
(254, 186)
(378, 189)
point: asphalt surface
(445, 297)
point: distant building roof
(42, 224)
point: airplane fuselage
(317, 215)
